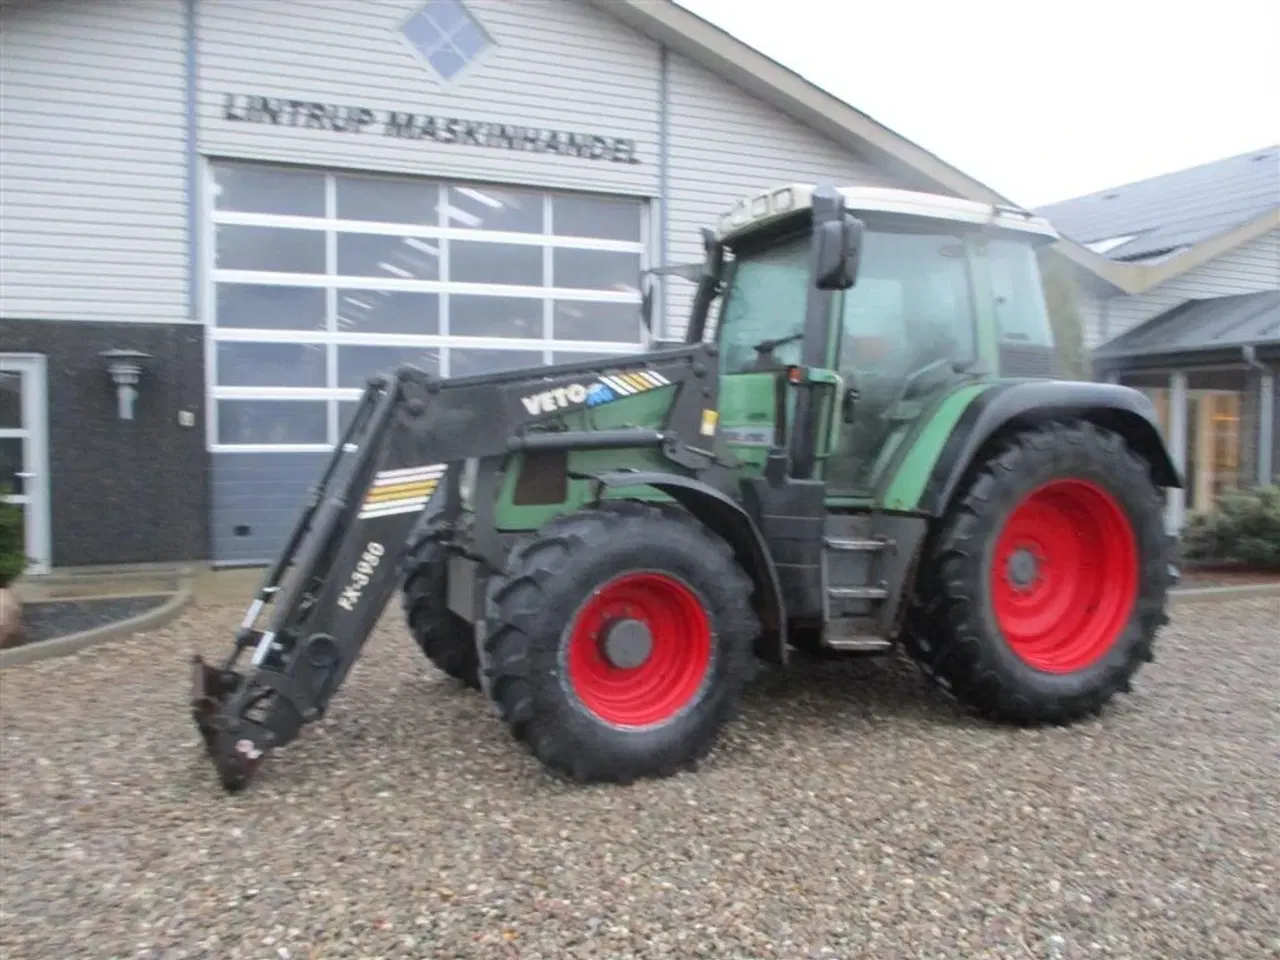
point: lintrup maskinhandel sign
(349, 119)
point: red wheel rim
(615, 688)
(1064, 576)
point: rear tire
(447, 639)
(1040, 594)
(656, 710)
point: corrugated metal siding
(256, 499)
(1250, 268)
(561, 65)
(92, 161)
(726, 144)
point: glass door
(24, 458)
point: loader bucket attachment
(234, 758)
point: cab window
(1020, 311)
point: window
(319, 280)
(906, 325)
(445, 35)
(272, 421)
(765, 300)
(1021, 314)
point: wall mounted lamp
(125, 367)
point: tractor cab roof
(759, 210)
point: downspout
(192, 195)
(1266, 413)
(1176, 497)
(193, 164)
(664, 179)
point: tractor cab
(941, 293)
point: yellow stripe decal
(401, 491)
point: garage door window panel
(388, 257)
(258, 306)
(357, 363)
(601, 218)
(361, 311)
(596, 321)
(271, 364)
(482, 316)
(373, 199)
(273, 422)
(247, 188)
(465, 362)
(508, 264)
(494, 208)
(579, 269)
(270, 249)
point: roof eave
(686, 33)
(1137, 278)
(1152, 358)
(1152, 275)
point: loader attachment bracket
(235, 756)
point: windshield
(764, 300)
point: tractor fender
(729, 520)
(1008, 407)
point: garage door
(318, 279)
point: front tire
(447, 639)
(1041, 592)
(618, 642)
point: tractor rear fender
(1007, 408)
(730, 521)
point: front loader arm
(411, 433)
(341, 563)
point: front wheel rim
(1064, 576)
(667, 678)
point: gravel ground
(849, 813)
(58, 618)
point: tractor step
(853, 545)
(857, 593)
(853, 557)
(859, 644)
(854, 635)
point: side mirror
(839, 252)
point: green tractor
(858, 445)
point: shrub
(1244, 528)
(13, 557)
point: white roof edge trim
(757, 209)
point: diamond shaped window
(446, 35)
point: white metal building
(273, 198)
